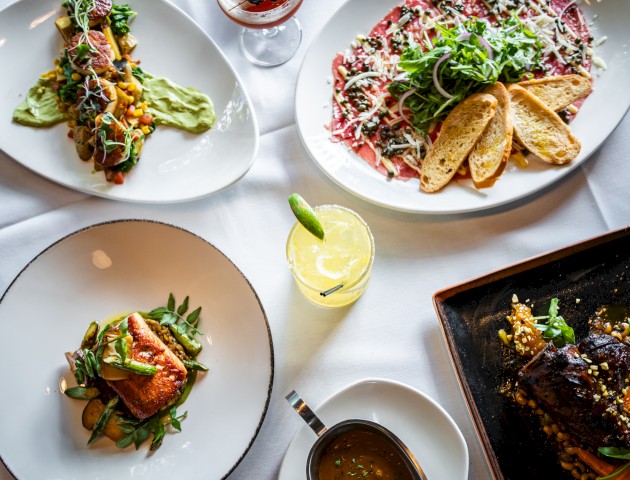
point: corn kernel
(138, 112)
(131, 87)
(123, 85)
(76, 77)
(143, 105)
(145, 129)
(59, 69)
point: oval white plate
(600, 114)
(424, 426)
(175, 166)
(48, 307)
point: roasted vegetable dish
(578, 389)
(135, 371)
(110, 104)
(99, 85)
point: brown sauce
(362, 454)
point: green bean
(195, 365)
(82, 393)
(133, 366)
(192, 346)
(89, 336)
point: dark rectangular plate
(597, 272)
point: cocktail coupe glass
(272, 34)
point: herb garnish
(138, 431)
(119, 16)
(556, 328)
(462, 60)
(614, 452)
(68, 93)
(183, 328)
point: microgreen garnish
(462, 60)
(81, 52)
(556, 327)
(107, 138)
(77, 11)
(138, 431)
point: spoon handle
(306, 413)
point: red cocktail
(271, 36)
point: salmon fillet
(145, 395)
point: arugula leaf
(556, 328)
(468, 67)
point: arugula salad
(136, 371)
(111, 105)
(394, 87)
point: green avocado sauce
(171, 104)
(41, 107)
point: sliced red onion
(463, 36)
(487, 46)
(438, 87)
(401, 103)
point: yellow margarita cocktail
(332, 272)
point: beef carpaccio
(378, 125)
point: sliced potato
(82, 136)
(92, 411)
(64, 25)
(127, 43)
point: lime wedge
(306, 215)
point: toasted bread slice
(145, 395)
(460, 131)
(540, 129)
(558, 92)
(490, 155)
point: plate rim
(446, 293)
(392, 383)
(230, 261)
(254, 119)
(425, 210)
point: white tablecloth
(392, 331)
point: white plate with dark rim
(118, 267)
(423, 425)
(600, 114)
(175, 166)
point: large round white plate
(45, 312)
(600, 114)
(424, 426)
(175, 166)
